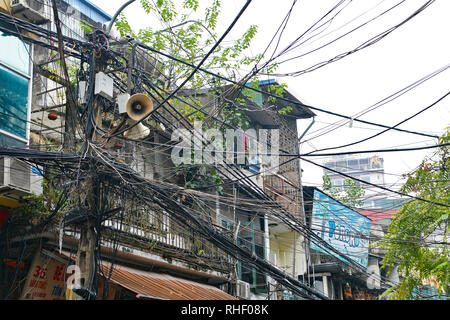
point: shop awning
(163, 286)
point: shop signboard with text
(46, 279)
(341, 227)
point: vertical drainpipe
(302, 207)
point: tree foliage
(350, 195)
(186, 30)
(38, 206)
(417, 237)
(188, 38)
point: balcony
(156, 233)
(285, 193)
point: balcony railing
(167, 238)
(284, 192)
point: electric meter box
(82, 87)
(122, 100)
(104, 86)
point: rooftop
(90, 9)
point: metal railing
(284, 192)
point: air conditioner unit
(19, 179)
(30, 10)
(243, 289)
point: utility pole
(86, 248)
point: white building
(369, 168)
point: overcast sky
(358, 81)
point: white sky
(358, 81)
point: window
(376, 162)
(251, 146)
(70, 17)
(246, 238)
(353, 164)
(257, 98)
(14, 86)
(253, 242)
(16, 56)
(364, 164)
(13, 102)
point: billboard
(343, 228)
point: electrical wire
(159, 192)
(336, 125)
(374, 185)
(342, 36)
(278, 97)
(362, 46)
(216, 44)
(379, 133)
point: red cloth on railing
(3, 215)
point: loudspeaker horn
(138, 106)
(138, 132)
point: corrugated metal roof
(163, 286)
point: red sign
(46, 280)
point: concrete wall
(283, 246)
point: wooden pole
(88, 237)
(86, 247)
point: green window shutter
(13, 102)
(14, 85)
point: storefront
(339, 283)
(51, 273)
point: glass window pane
(14, 52)
(353, 164)
(8, 142)
(13, 102)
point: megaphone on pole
(137, 107)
